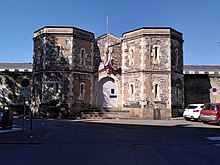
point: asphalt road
(117, 142)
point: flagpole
(108, 55)
(107, 24)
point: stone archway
(108, 93)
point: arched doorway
(108, 93)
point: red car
(210, 113)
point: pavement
(18, 135)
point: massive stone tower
(152, 72)
(64, 64)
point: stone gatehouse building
(141, 72)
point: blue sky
(198, 20)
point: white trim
(211, 72)
(21, 70)
(201, 72)
(191, 72)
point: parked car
(6, 118)
(192, 111)
(210, 113)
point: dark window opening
(81, 89)
(156, 90)
(156, 52)
(132, 89)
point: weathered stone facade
(140, 72)
(64, 65)
(11, 75)
(152, 72)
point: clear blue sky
(198, 20)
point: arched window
(131, 91)
(131, 60)
(156, 54)
(82, 56)
(82, 91)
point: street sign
(214, 91)
(25, 92)
(25, 82)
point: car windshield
(210, 107)
(191, 107)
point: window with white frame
(131, 59)
(131, 91)
(156, 53)
(82, 91)
(82, 56)
(155, 90)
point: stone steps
(106, 114)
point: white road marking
(11, 130)
(215, 138)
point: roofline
(16, 63)
(108, 34)
(201, 65)
(63, 27)
(153, 28)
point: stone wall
(197, 88)
(65, 60)
(10, 83)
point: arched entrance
(108, 93)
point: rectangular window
(58, 51)
(155, 53)
(56, 87)
(156, 90)
(112, 91)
